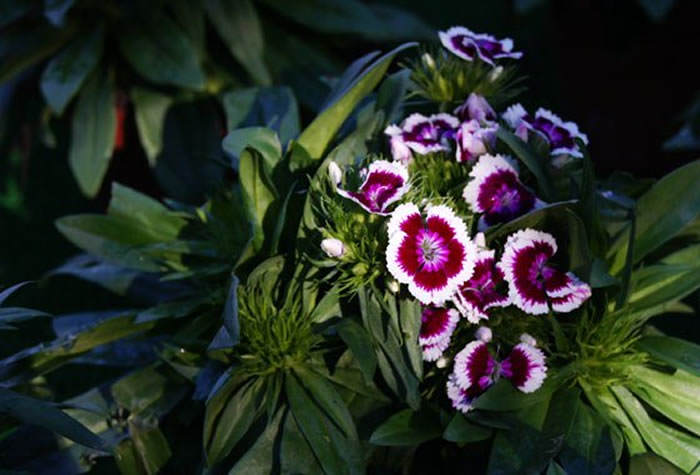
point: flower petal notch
(437, 326)
(496, 192)
(483, 290)
(525, 366)
(422, 135)
(468, 45)
(560, 135)
(533, 283)
(384, 183)
(434, 256)
(473, 373)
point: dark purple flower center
(480, 370)
(482, 289)
(516, 367)
(428, 133)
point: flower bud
(335, 172)
(428, 60)
(528, 339)
(484, 334)
(334, 248)
(393, 286)
(480, 240)
(442, 362)
(495, 73)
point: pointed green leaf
(150, 109)
(93, 132)
(66, 72)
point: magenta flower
(474, 139)
(496, 192)
(437, 325)
(384, 183)
(483, 290)
(475, 108)
(473, 373)
(433, 256)
(469, 45)
(525, 366)
(422, 134)
(560, 135)
(534, 285)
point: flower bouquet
(425, 276)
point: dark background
(624, 73)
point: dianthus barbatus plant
(457, 287)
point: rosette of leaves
(104, 55)
(219, 315)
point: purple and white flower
(496, 192)
(560, 135)
(437, 326)
(473, 373)
(469, 45)
(483, 290)
(432, 255)
(525, 366)
(422, 135)
(534, 285)
(474, 139)
(384, 183)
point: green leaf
(260, 458)
(150, 109)
(384, 23)
(67, 71)
(407, 428)
(588, 447)
(258, 191)
(650, 464)
(502, 396)
(531, 160)
(230, 314)
(21, 48)
(152, 215)
(335, 453)
(34, 411)
(684, 414)
(461, 431)
(328, 307)
(357, 339)
(662, 213)
(316, 137)
(328, 399)
(670, 444)
(410, 319)
(238, 25)
(93, 132)
(237, 416)
(296, 455)
(158, 49)
(261, 139)
(151, 446)
(679, 353)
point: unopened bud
(393, 286)
(528, 339)
(333, 248)
(484, 334)
(428, 60)
(442, 362)
(335, 172)
(480, 241)
(495, 73)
